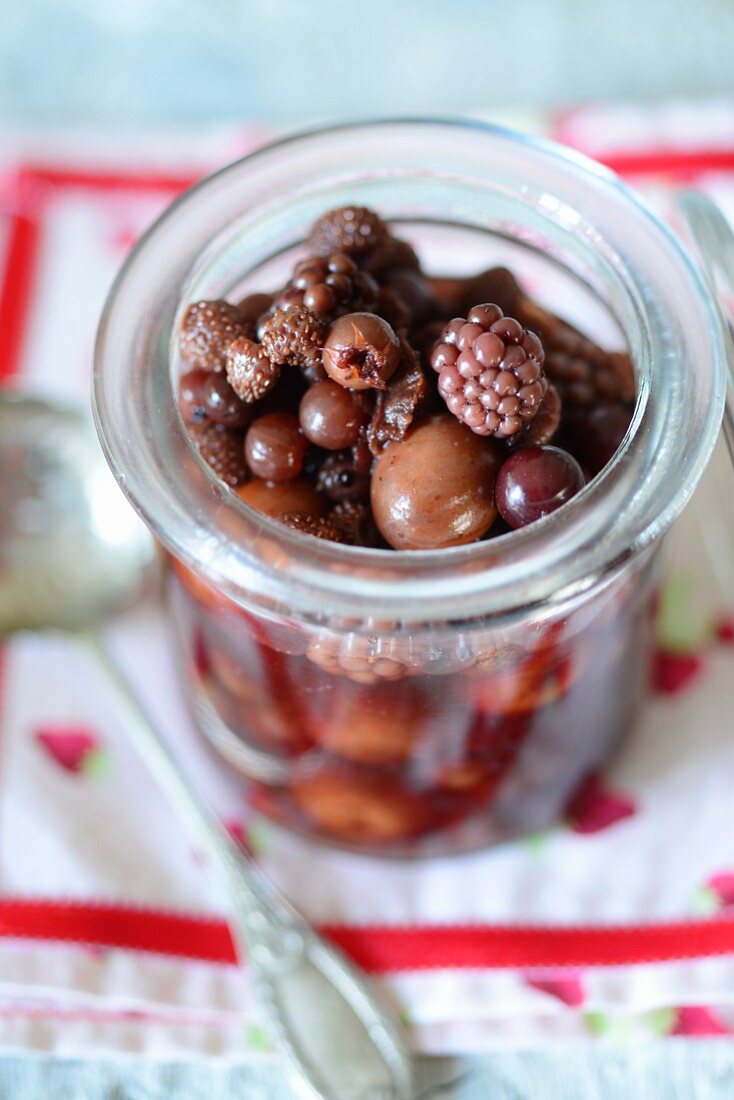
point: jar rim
(254, 560)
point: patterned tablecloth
(618, 923)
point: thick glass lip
(671, 320)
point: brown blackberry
(353, 230)
(583, 373)
(294, 335)
(586, 374)
(318, 526)
(490, 371)
(207, 330)
(354, 522)
(328, 286)
(387, 255)
(222, 449)
(249, 371)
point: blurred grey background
(286, 61)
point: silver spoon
(71, 554)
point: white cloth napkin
(618, 923)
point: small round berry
(190, 396)
(329, 417)
(319, 527)
(361, 351)
(221, 448)
(352, 230)
(327, 286)
(435, 488)
(294, 335)
(222, 404)
(249, 371)
(535, 481)
(490, 371)
(281, 498)
(342, 479)
(207, 330)
(275, 446)
(254, 305)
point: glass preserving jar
(417, 702)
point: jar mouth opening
(486, 173)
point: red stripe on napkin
(380, 948)
(16, 291)
(683, 164)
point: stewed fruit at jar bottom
(382, 764)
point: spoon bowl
(72, 551)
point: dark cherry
(222, 404)
(535, 481)
(596, 434)
(329, 416)
(191, 396)
(275, 447)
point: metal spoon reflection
(71, 554)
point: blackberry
(328, 286)
(353, 230)
(207, 330)
(294, 335)
(318, 526)
(588, 375)
(222, 449)
(249, 371)
(490, 371)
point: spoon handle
(338, 1039)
